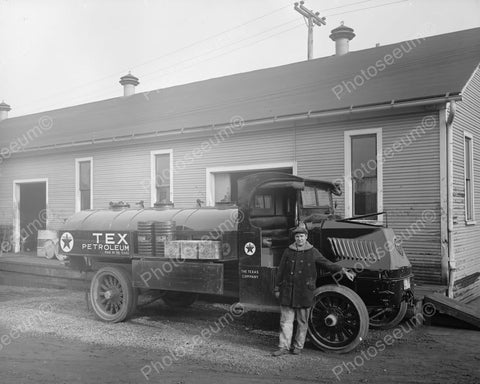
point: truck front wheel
(112, 295)
(338, 320)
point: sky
(59, 53)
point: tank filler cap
(164, 205)
(119, 205)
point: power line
(111, 88)
(220, 48)
(347, 5)
(363, 9)
(103, 91)
(116, 74)
(165, 55)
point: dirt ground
(49, 336)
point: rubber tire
(128, 302)
(361, 314)
(394, 320)
(176, 299)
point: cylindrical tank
(212, 220)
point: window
(314, 197)
(364, 174)
(162, 178)
(84, 198)
(363, 170)
(468, 166)
(161, 174)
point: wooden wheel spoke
(112, 295)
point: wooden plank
(43, 281)
(454, 308)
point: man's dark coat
(297, 275)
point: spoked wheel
(179, 299)
(387, 317)
(112, 296)
(338, 321)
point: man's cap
(300, 229)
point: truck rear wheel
(338, 321)
(388, 317)
(112, 295)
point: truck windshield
(314, 197)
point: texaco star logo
(249, 248)
(66, 242)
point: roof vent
(341, 35)
(4, 108)
(129, 83)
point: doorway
(222, 181)
(30, 213)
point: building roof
(416, 69)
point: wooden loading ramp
(445, 306)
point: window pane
(467, 158)
(468, 179)
(163, 194)
(308, 197)
(323, 198)
(258, 201)
(263, 201)
(364, 174)
(267, 201)
(364, 155)
(162, 170)
(84, 175)
(85, 200)
(364, 196)
(222, 187)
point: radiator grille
(356, 250)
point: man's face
(300, 239)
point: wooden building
(398, 126)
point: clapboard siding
(61, 185)
(411, 179)
(122, 172)
(466, 237)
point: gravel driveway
(220, 338)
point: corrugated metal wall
(122, 172)
(466, 243)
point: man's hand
(350, 274)
(277, 295)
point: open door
(30, 213)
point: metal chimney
(129, 83)
(342, 35)
(4, 108)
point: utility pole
(313, 19)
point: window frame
(78, 201)
(469, 220)
(348, 184)
(153, 165)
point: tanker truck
(233, 251)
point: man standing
(296, 280)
